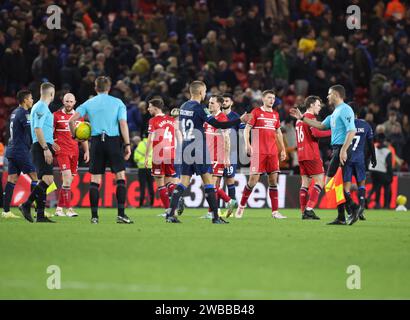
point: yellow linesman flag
(334, 190)
(52, 187)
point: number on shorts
(187, 129)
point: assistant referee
(341, 123)
(41, 122)
(108, 118)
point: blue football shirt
(340, 122)
(364, 133)
(104, 112)
(20, 133)
(42, 117)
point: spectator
(144, 174)
(14, 67)
(395, 10)
(382, 174)
(226, 75)
(210, 47)
(391, 121)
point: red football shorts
(163, 169)
(264, 163)
(311, 167)
(68, 162)
(217, 169)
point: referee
(108, 118)
(341, 123)
(41, 121)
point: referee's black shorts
(42, 167)
(335, 159)
(107, 153)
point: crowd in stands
(151, 47)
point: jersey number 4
(187, 129)
(299, 134)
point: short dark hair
(227, 95)
(195, 86)
(310, 100)
(22, 95)
(102, 83)
(218, 98)
(266, 92)
(157, 102)
(45, 86)
(340, 90)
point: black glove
(374, 163)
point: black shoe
(361, 215)
(26, 213)
(354, 216)
(44, 219)
(309, 215)
(172, 219)
(337, 222)
(94, 220)
(219, 221)
(181, 206)
(124, 219)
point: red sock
(314, 196)
(303, 198)
(273, 194)
(60, 198)
(245, 195)
(222, 194)
(171, 186)
(163, 194)
(64, 197)
(69, 196)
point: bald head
(69, 102)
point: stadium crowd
(157, 47)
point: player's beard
(68, 111)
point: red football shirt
(62, 134)
(163, 141)
(307, 139)
(264, 125)
(215, 140)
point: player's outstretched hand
(146, 162)
(343, 157)
(48, 156)
(283, 155)
(295, 112)
(246, 117)
(56, 147)
(127, 153)
(86, 156)
(248, 150)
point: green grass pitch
(253, 258)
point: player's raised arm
(295, 112)
(245, 118)
(71, 123)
